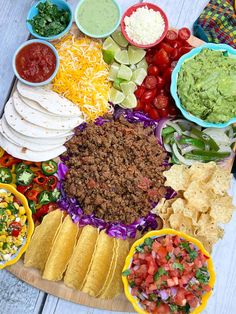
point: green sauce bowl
(86, 32)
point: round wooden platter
(58, 289)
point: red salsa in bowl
(36, 62)
(168, 274)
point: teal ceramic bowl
(61, 4)
(83, 30)
(174, 79)
(28, 42)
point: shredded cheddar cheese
(83, 75)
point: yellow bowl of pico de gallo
(168, 272)
(16, 225)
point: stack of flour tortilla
(37, 122)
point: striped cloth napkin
(217, 23)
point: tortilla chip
(61, 251)
(197, 196)
(201, 172)
(100, 265)
(114, 286)
(177, 177)
(80, 261)
(222, 209)
(42, 240)
(220, 181)
(181, 223)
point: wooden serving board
(58, 289)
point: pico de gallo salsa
(13, 227)
(168, 275)
(36, 180)
(35, 62)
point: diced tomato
(206, 288)
(149, 280)
(161, 58)
(163, 309)
(134, 291)
(162, 251)
(152, 268)
(180, 297)
(192, 300)
(174, 273)
(152, 287)
(138, 281)
(155, 246)
(198, 262)
(184, 33)
(153, 70)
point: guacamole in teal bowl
(204, 85)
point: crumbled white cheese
(144, 26)
(6, 257)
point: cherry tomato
(160, 82)
(167, 74)
(184, 33)
(150, 82)
(166, 47)
(171, 35)
(16, 228)
(153, 113)
(148, 96)
(139, 106)
(149, 57)
(173, 64)
(175, 54)
(161, 101)
(184, 50)
(164, 112)
(153, 70)
(173, 111)
(139, 91)
(161, 92)
(177, 44)
(161, 57)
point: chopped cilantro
(202, 275)
(185, 246)
(152, 297)
(140, 249)
(192, 255)
(168, 257)
(173, 307)
(161, 271)
(186, 308)
(5, 246)
(148, 242)
(178, 266)
(132, 284)
(126, 272)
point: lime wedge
(135, 54)
(130, 101)
(113, 71)
(122, 57)
(124, 73)
(138, 76)
(119, 38)
(111, 45)
(115, 96)
(142, 64)
(108, 56)
(117, 83)
(133, 67)
(128, 88)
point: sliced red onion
(187, 149)
(159, 128)
(183, 160)
(173, 291)
(164, 295)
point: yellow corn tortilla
(61, 251)
(42, 240)
(80, 261)
(114, 286)
(100, 265)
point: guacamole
(207, 86)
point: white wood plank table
(18, 297)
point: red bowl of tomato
(131, 10)
(168, 271)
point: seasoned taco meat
(115, 170)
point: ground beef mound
(115, 170)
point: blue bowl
(28, 42)
(80, 27)
(174, 90)
(61, 4)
